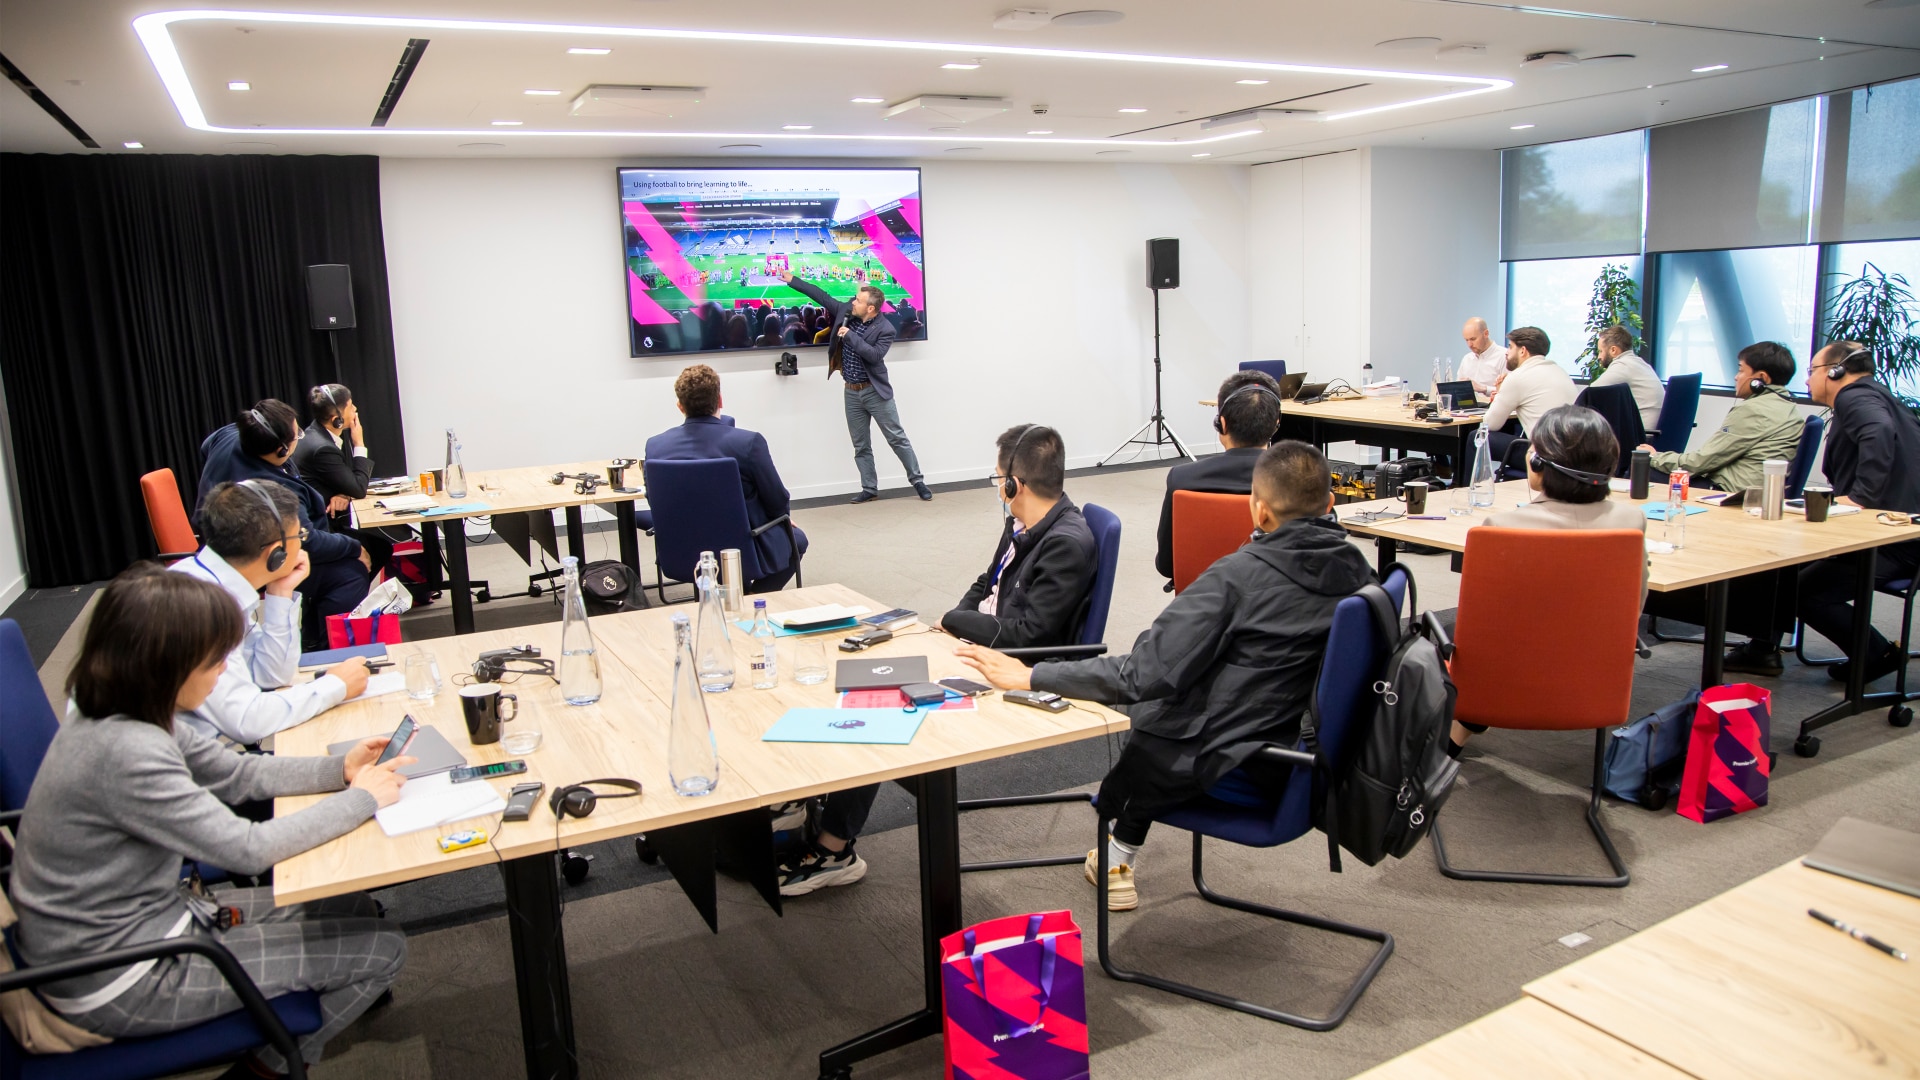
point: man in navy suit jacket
(706, 434)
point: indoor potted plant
(1877, 309)
(1615, 302)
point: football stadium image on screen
(705, 249)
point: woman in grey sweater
(126, 790)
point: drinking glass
(810, 661)
(423, 677)
(1751, 500)
(1446, 403)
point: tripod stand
(1154, 432)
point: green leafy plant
(1615, 302)
(1877, 309)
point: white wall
(1308, 232)
(508, 302)
(1434, 254)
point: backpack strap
(1413, 591)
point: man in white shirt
(1485, 363)
(1533, 384)
(1625, 368)
(253, 550)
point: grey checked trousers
(338, 947)
(867, 405)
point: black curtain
(147, 299)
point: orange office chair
(168, 516)
(1206, 526)
(1545, 640)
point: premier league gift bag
(1016, 999)
(1727, 763)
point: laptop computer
(1463, 399)
(1310, 392)
(1290, 384)
(879, 673)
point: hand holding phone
(397, 743)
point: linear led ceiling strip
(157, 38)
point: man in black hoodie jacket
(1035, 589)
(1229, 665)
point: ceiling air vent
(948, 108)
(605, 100)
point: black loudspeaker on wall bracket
(1163, 272)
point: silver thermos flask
(732, 588)
(1773, 493)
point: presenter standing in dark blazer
(857, 343)
(706, 434)
(332, 457)
(1247, 416)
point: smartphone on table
(967, 687)
(397, 745)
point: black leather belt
(858, 385)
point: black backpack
(1382, 798)
(610, 587)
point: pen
(1857, 934)
(376, 665)
(1426, 517)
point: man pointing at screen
(857, 343)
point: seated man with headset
(1246, 419)
(332, 458)
(253, 551)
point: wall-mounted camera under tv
(705, 251)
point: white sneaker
(789, 815)
(819, 869)
(1121, 895)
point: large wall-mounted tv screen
(705, 249)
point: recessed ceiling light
(1090, 17)
(1519, 127)
(869, 101)
(1133, 110)
(577, 51)
(1041, 132)
(1203, 155)
(541, 93)
(133, 145)
(238, 85)
(959, 66)
(1250, 82)
(507, 123)
(1709, 67)
(796, 127)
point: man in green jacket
(1763, 424)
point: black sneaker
(820, 869)
(864, 497)
(1883, 665)
(926, 493)
(1748, 660)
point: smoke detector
(1553, 59)
(948, 108)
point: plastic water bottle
(766, 658)
(1677, 484)
(712, 646)
(693, 761)
(456, 473)
(579, 661)
(1481, 495)
(1366, 374)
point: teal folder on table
(781, 631)
(894, 727)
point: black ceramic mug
(486, 708)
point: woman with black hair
(258, 446)
(332, 458)
(126, 790)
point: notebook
(1876, 854)
(879, 673)
(893, 727)
(436, 754)
(436, 800)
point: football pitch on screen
(832, 272)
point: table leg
(1388, 551)
(540, 967)
(623, 517)
(1713, 650)
(430, 552)
(939, 822)
(1857, 697)
(576, 536)
(459, 585)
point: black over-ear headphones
(333, 395)
(1010, 485)
(1220, 411)
(1838, 369)
(578, 800)
(1541, 464)
(277, 555)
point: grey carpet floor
(656, 995)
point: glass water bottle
(1481, 497)
(711, 645)
(579, 663)
(456, 473)
(693, 762)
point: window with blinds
(1578, 199)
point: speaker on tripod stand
(1163, 272)
(330, 304)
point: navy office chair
(1801, 466)
(1093, 627)
(1616, 405)
(1677, 412)
(27, 727)
(698, 506)
(1240, 811)
(1275, 368)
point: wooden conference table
(1743, 986)
(510, 491)
(625, 735)
(1722, 544)
(1374, 421)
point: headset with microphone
(578, 800)
(276, 555)
(1010, 484)
(1220, 411)
(339, 421)
(1541, 464)
(1838, 369)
